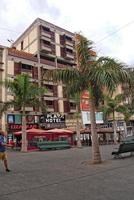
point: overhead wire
(114, 32)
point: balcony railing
(29, 108)
(48, 62)
(70, 43)
(46, 38)
(69, 47)
(46, 34)
(46, 47)
(68, 55)
(28, 73)
(73, 109)
(49, 92)
(50, 109)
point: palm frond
(108, 73)
(83, 47)
(66, 75)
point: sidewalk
(67, 175)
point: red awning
(32, 130)
(56, 130)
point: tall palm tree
(25, 94)
(92, 76)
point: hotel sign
(52, 120)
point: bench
(125, 147)
(47, 145)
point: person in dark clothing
(3, 155)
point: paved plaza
(67, 175)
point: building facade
(52, 47)
(43, 46)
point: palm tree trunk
(78, 133)
(96, 157)
(114, 127)
(24, 136)
(78, 128)
(125, 129)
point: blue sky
(96, 19)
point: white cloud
(96, 19)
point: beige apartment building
(41, 47)
(52, 46)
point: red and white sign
(84, 103)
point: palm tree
(111, 106)
(92, 76)
(128, 89)
(25, 94)
(127, 112)
(127, 109)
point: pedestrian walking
(3, 155)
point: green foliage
(24, 92)
(116, 104)
(111, 105)
(128, 89)
(126, 110)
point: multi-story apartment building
(49, 42)
(53, 47)
(41, 47)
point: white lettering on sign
(52, 118)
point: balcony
(46, 34)
(69, 47)
(28, 73)
(29, 109)
(62, 65)
(46, 48)
(46, 38)
(69, 55)
(49, 92)
(50, 109)
(72, 109)
(50, 106)
(70, 43)
(49, 98)
(48, 62)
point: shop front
(38, 135)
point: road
(67, 175)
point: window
(49, 103)
(26, 67)
(69, 50)
(46, 29)
(68, 38)
(46, 42)
(22, 45)
(49, 87)
(72, 105)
